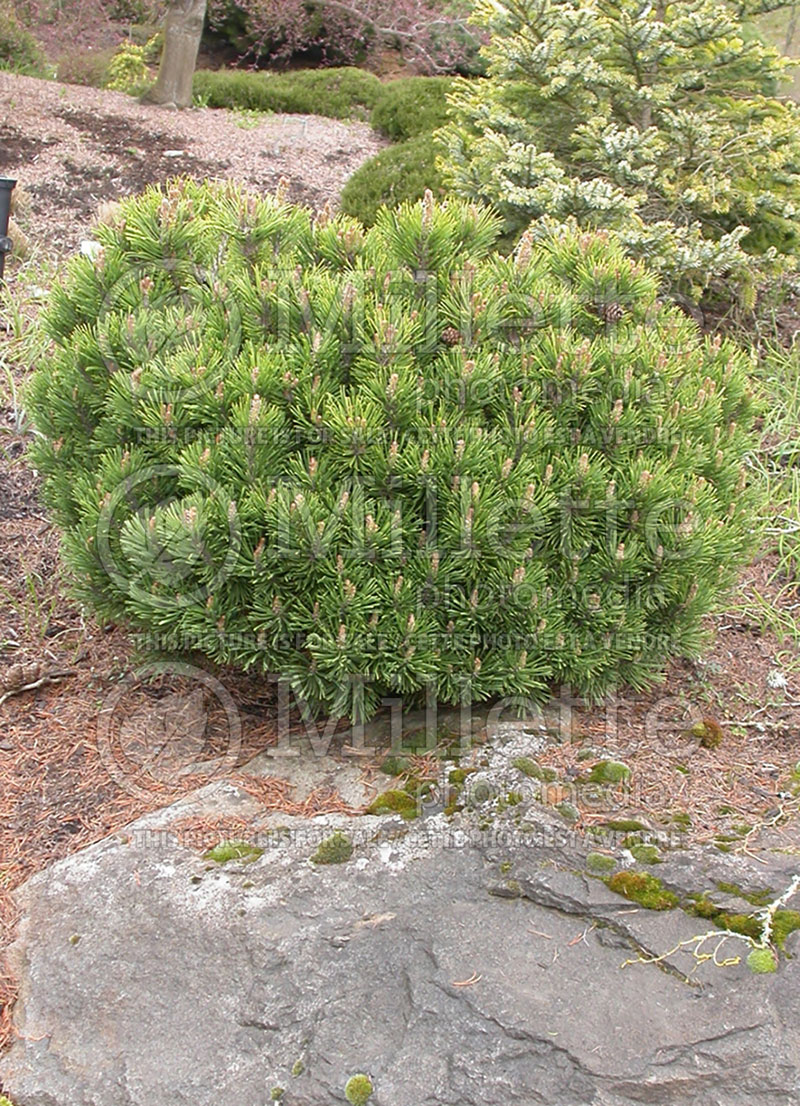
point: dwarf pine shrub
(388, 462)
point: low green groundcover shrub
(411, 106)
(338, 93)
(399, 109)
(406, 110)
(396, 175)
(388, 462)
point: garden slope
(74, 148)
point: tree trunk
(182, 32)
(790, 30)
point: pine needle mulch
(748, 686)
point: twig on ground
(48, 677)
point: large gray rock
(454, 971)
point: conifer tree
(658, 120)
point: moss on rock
(746, 924)
(569, 812)
(458, 776)
(396, 801)
(600, 862)
(609, 771)
(702, 907)
(242, 851)
(784, 923)
(644, 889)
(762, 961)
(645, 854)
(335, 849)
(535, 771)
(358, 1089)
(624, 825)
(395, 766)
(758, 898)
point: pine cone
(610, 312)
(451, 336)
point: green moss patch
(702, 907)
(599, 862)
(396, 801)
(335, 849)
(609, 771)
(746, 924)
(513, 798)
(395, 765)
(645, 854)
(784, 923)
(225, 851)
(624, 825)
(644, 889)
(458, 776)
(762, 897)
(762, 961)
(535, 771)
(568, 811)
(358, 1090)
